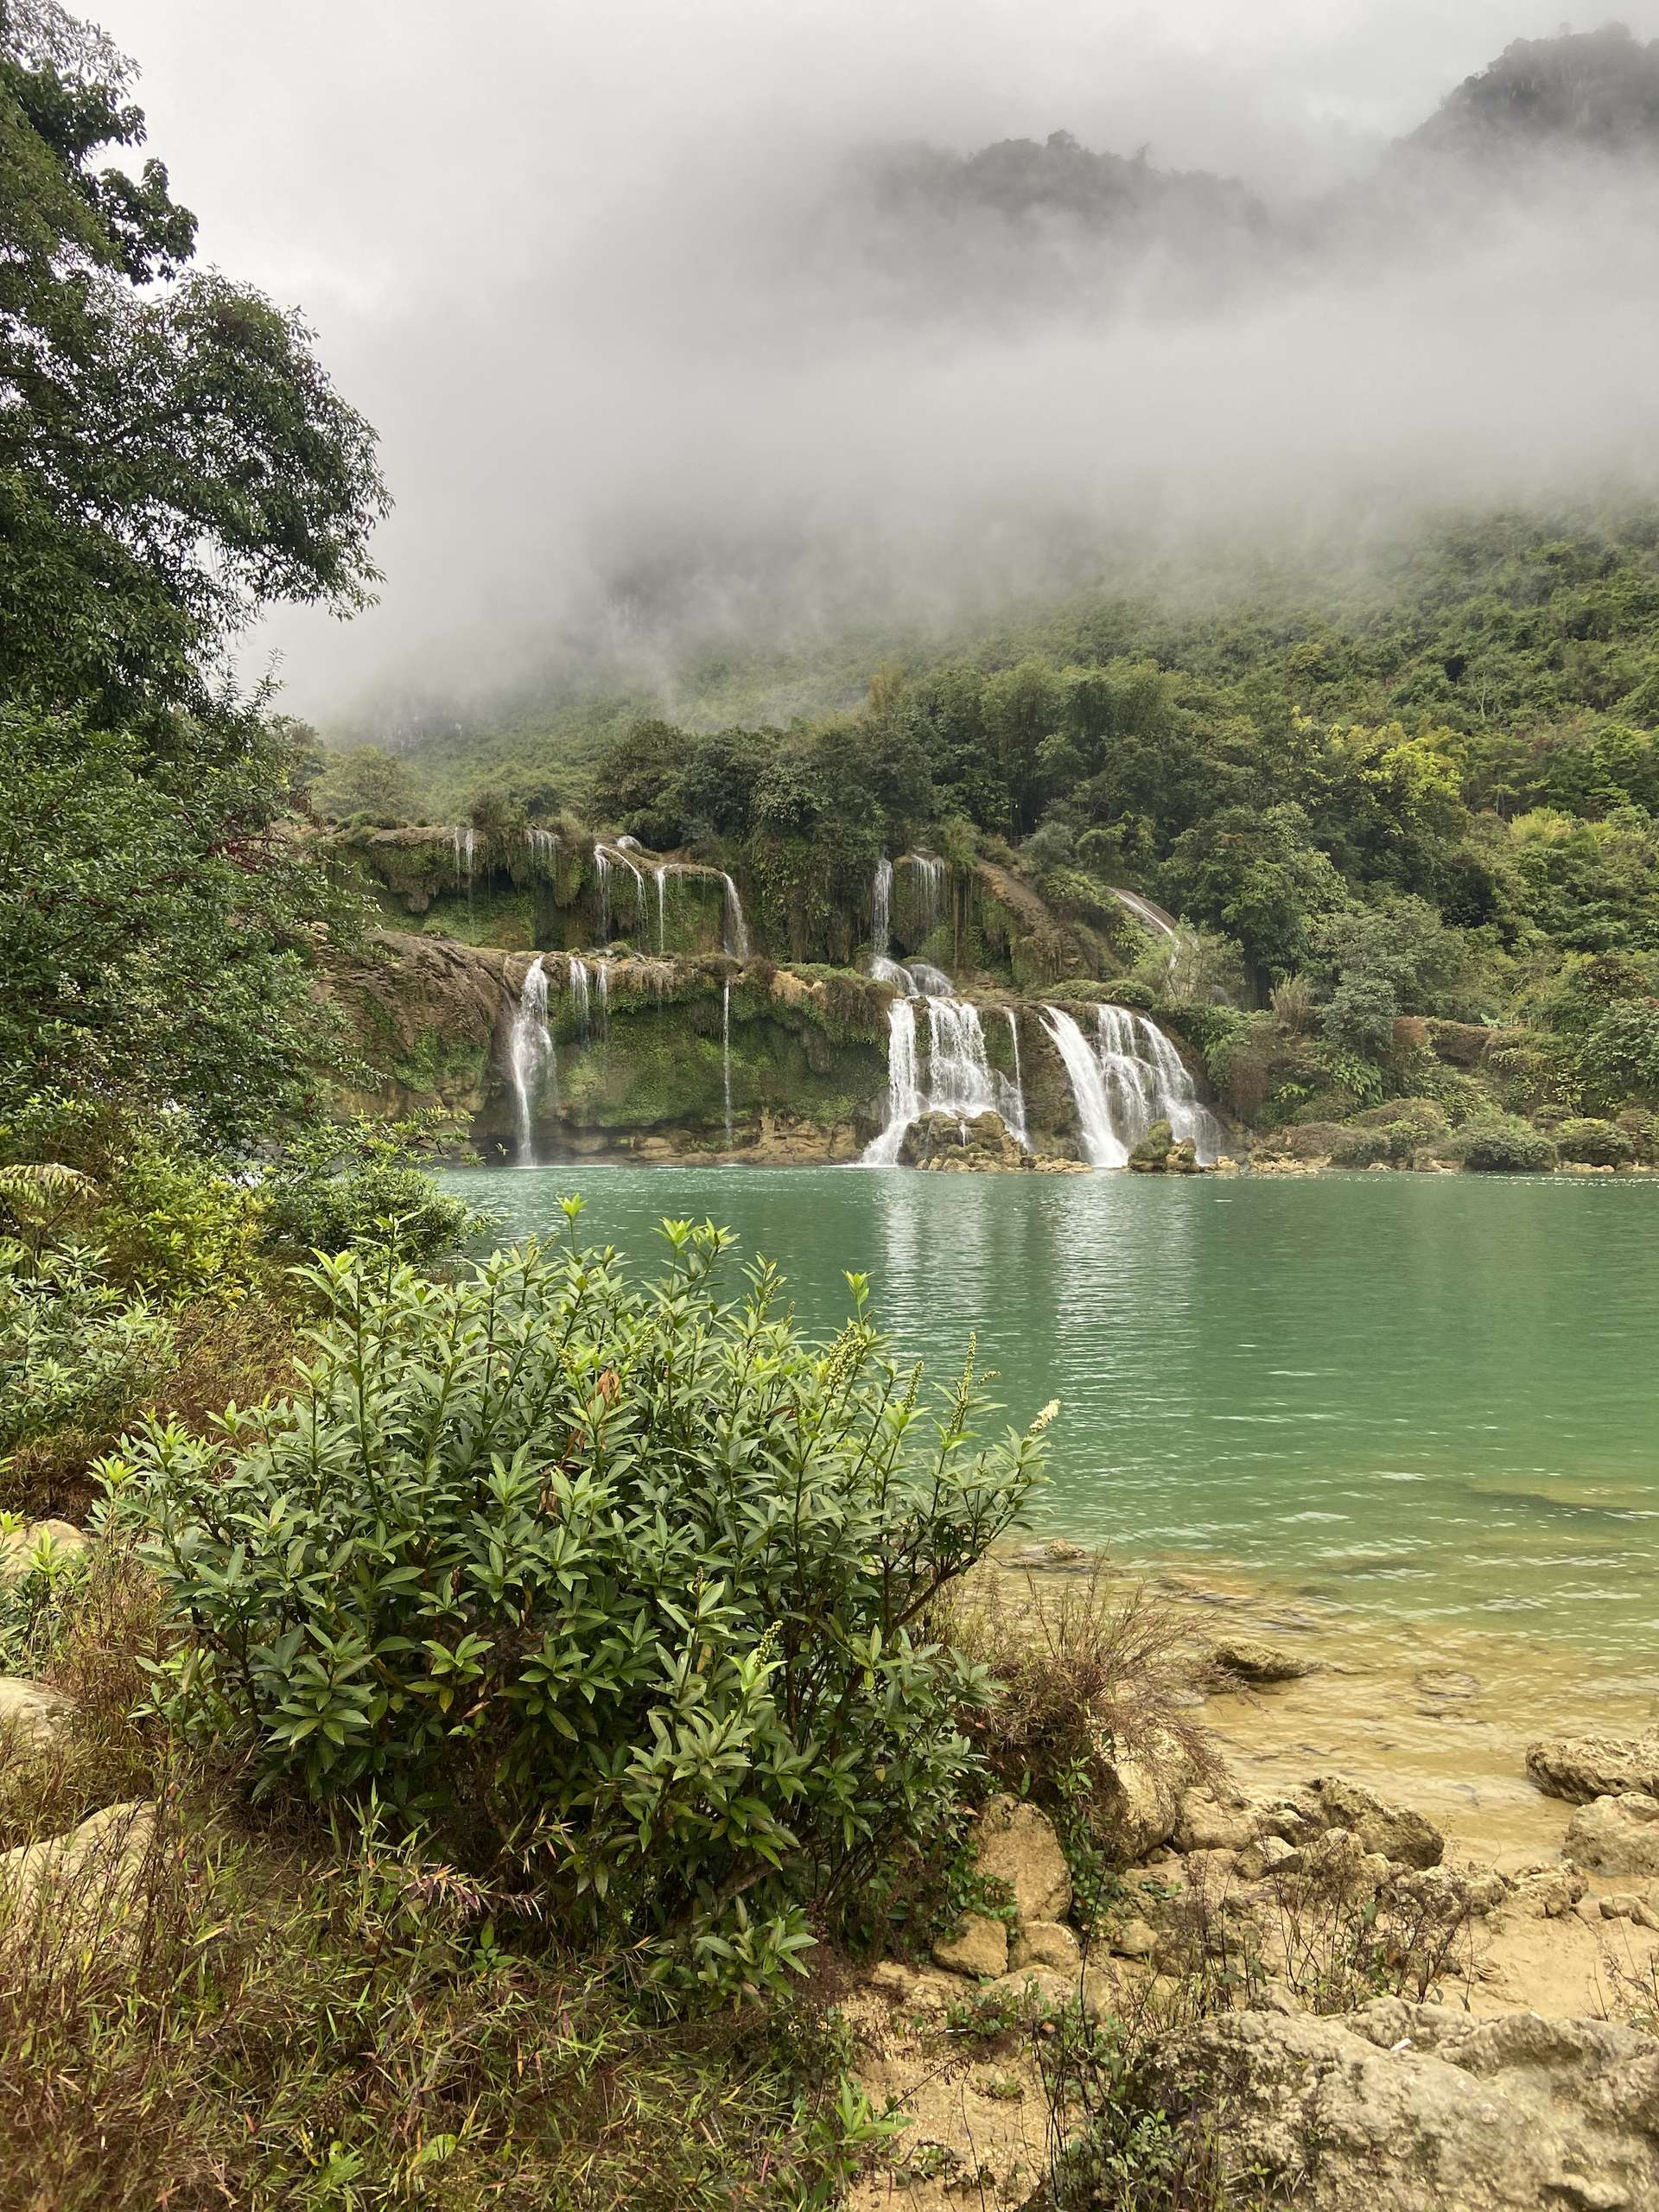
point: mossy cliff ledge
(558, 1055)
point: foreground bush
(614, 1582)
(1594, 1144)
(76, 1356)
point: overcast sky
(533, 236)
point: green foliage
(75, 1353)
(619, 1582)
(158, 933)
(1500, 1145)
(357, 1186)
(1594, 1144)
(366, 780)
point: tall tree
(172, 454)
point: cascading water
(734, 930)
(889, 971)
(532, 1058)
(904, 1095)
(466, 849)
(543, 845)
(958, 1072)
(931, 981)
(1131, 1078)
(1156, 1078)
(602, 880)
(881, 916)
(1102, 1147)
(602, 978)
(662, 908)
(1013, 1093)
(929, 896)
(726, 1055)
(1144, 911)
(579, 978)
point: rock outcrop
(984, 1146)
(1615, 1835)
(1580, 1768)
(1404, 2107)
(1248, 1661)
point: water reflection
(1406, 1392)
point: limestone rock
(1018, 1845)
(980, 1949)
(17, 1548)
(30, 1710)
(1045, 1943)
(984, 1146)
(91, 1874)
(1043, 1987)
(1141, 1791)
(1615, 1835)
(1402, 2108)
(1394, 1830)
(1259, 1663)
(1207, 1823)
(1580, 1768)
(1134, 1939)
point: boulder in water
(1158, 1153)
(983, 1145)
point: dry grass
(1080, 1662)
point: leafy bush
(1425, 1118)
(76, 1354)
(1594, 1144)
(1133, 992)
(618, 1583)
(1501, 1145)
(352, 1186)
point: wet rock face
(1158, 1153)
(1580, 1768)
(984, 1146)
(1249, 1660)
(1615, 1835)
(1400, 2107)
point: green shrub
(1501, 1145)
(1133, 992)
(1425, 1118)
(1370, 1147)
(614, 1582)
(1594, 1144)
(352, 1186)
(76, 1355)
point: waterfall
(1014, 1094)
(1155, 1080)
(579, 979)
(1132, 1077)
(889, 971)
(531, 1056)
(734, 930)
(466, 848)
(602, 877)
(881, 914)
(903, 1096)
(932, 982)
(1102, 1145)
(726, 1055)
(931, 897)
(544, 849)
(1144, 912)
(662, 908)
(602, 977)
(958, 1072)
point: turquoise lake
(1427, 1399)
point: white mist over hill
(681, 322)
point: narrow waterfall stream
(904, 1094)
(1013, 1108)
(532, 1057)
(726, 1055)
(577, 982)
(1102, 1146)
(734, 929)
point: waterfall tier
(1130, 1077)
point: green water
(1428, 1399)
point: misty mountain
(1595, 91)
